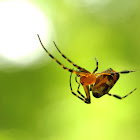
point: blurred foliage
(36, 103)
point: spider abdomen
(104, 83)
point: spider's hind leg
(126, 71)
(116, 96)
(112, 73)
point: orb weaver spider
(99, 83)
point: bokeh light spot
(19, 26)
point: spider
(99, 83)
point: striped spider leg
(65, 68)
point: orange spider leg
(86, 88)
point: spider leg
(125, 71)
(79, 87)
(111, 73)
(78, 67)
(70, 70)
(87, 91)
(76, 79)
(86, 100)
(116, 96)
(80, 92)
(96, 65)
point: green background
(36, 102)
